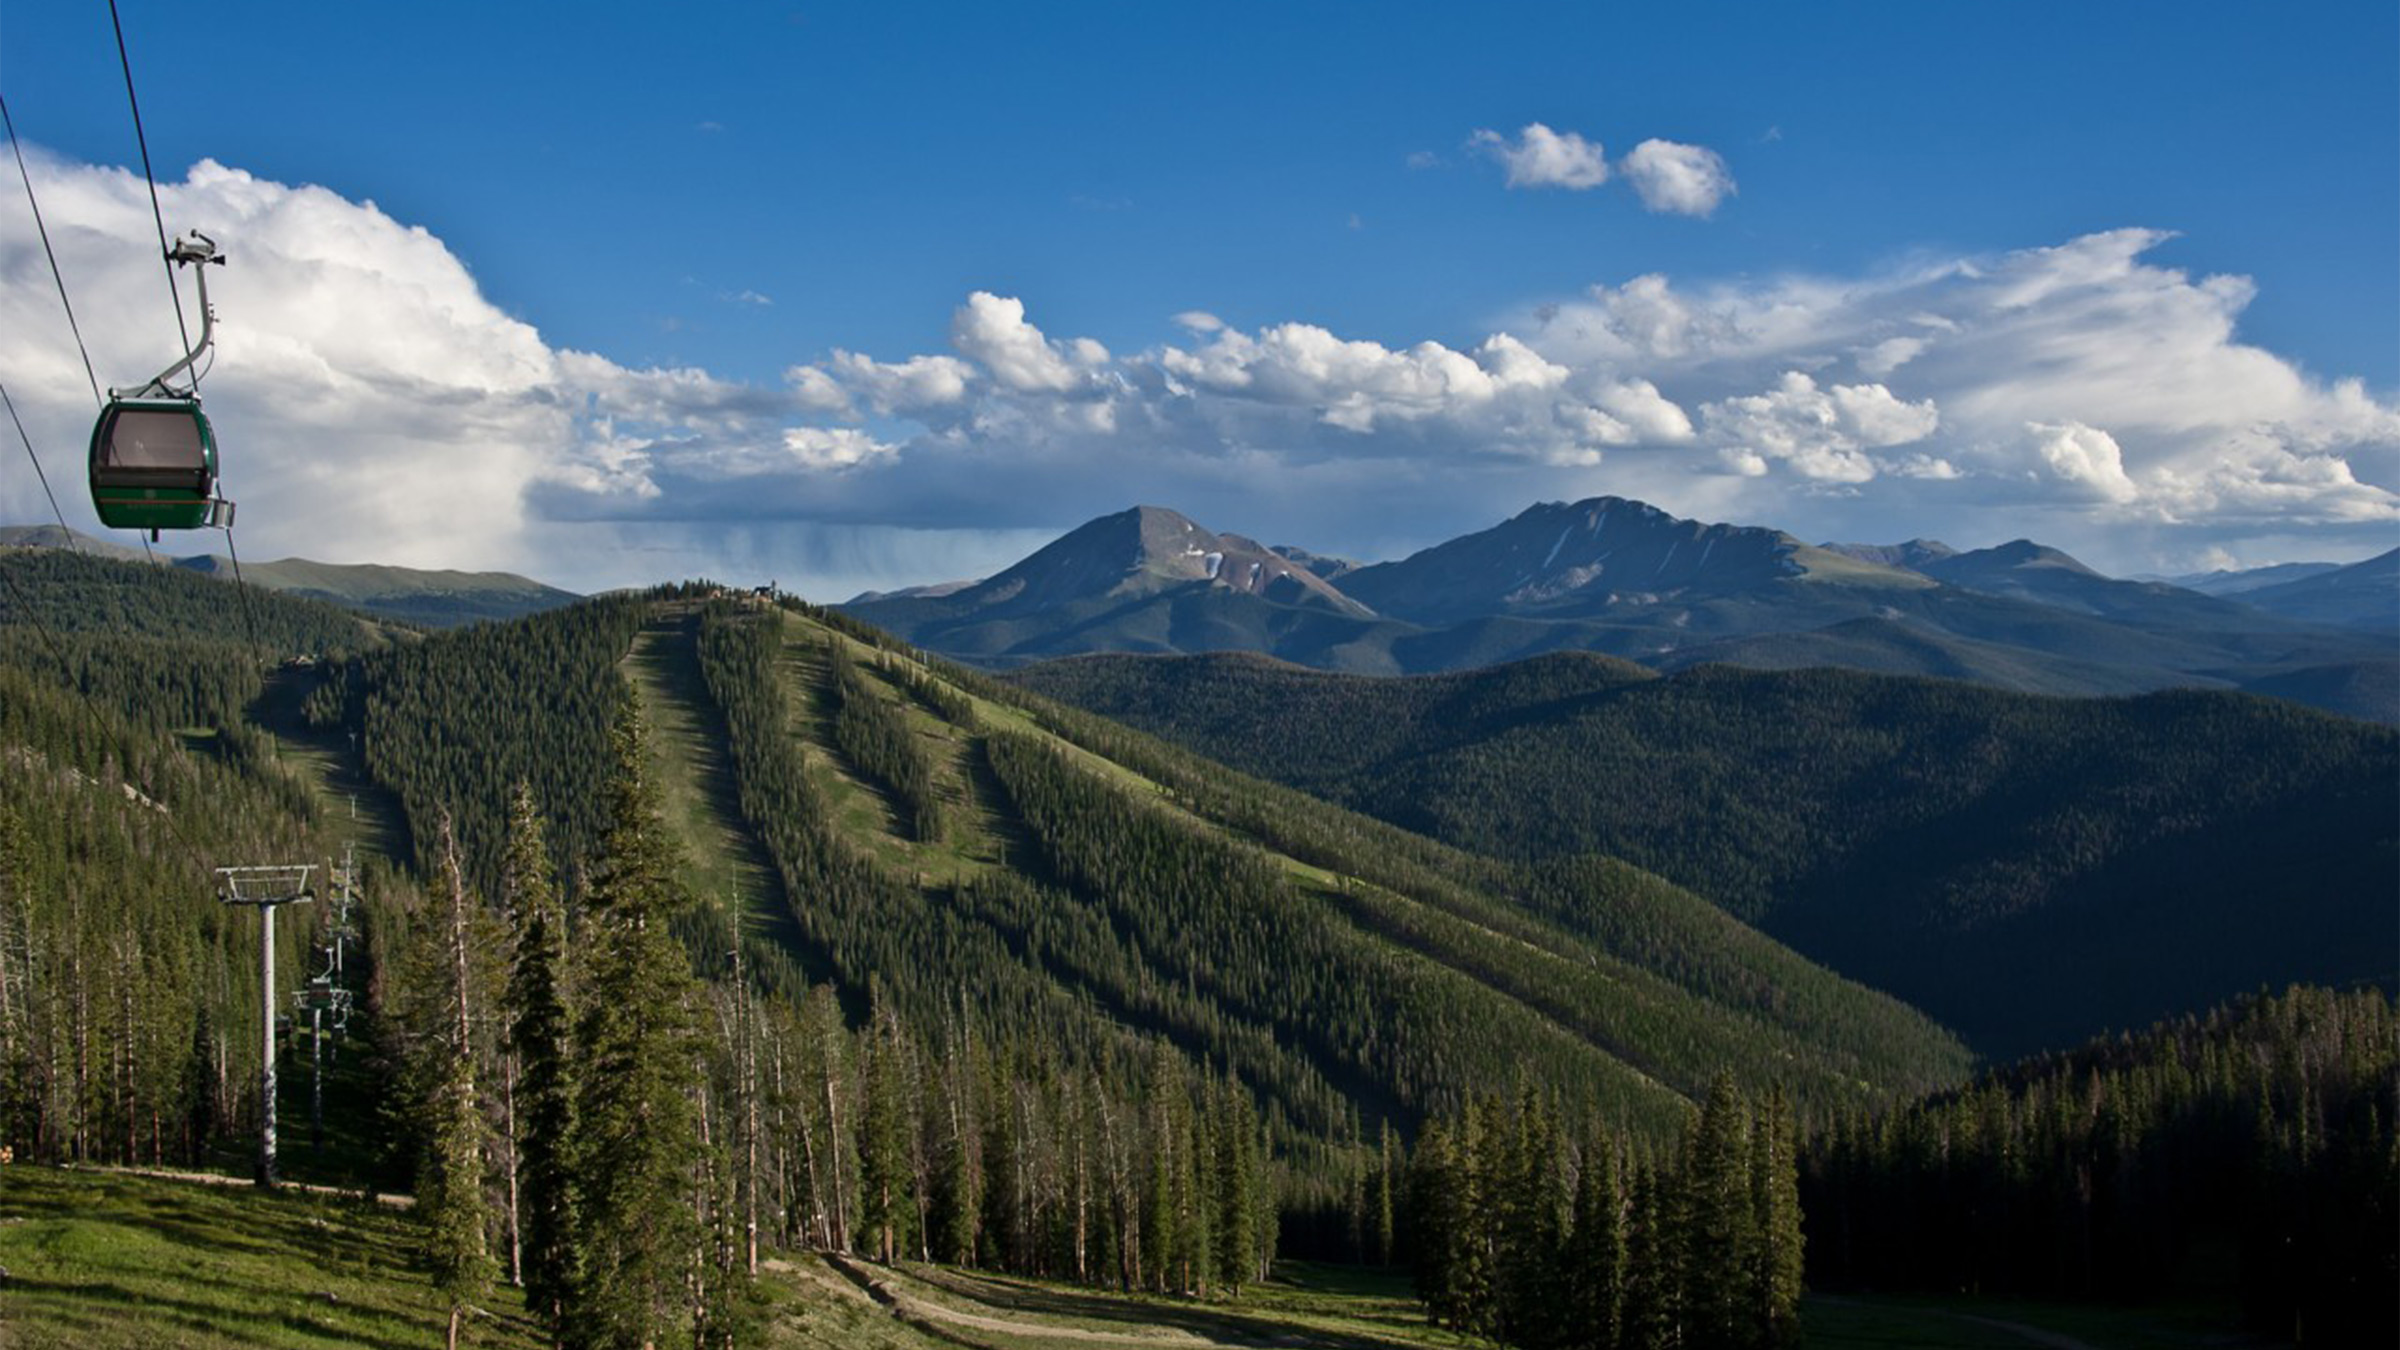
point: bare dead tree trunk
(508, 1134)
(128, 962)
(1120, 1206)
(833, 1135)
(746, 1073)
(1082, 1183)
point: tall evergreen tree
(957, 1207)
(1776, 1259)
(1532, 1204)
(1651, 1314)
(1595, 1292)
(1235, 1186)
(886, 1126)
(636, 1135)
(541, 1036)
(1159, 1211)
(1717, 1221)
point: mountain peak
(1914, 555)
(1140, 551)
(1555, 557)
(2026, 553)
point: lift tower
(266, 888)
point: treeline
(622, 1137)
(2248, 1152)
(874, 733)
(1531, 1233)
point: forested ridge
(67, 592)
(2032, 870)
(1008, 934)
(453, 722)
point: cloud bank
(374, 405)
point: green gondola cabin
(154, 465)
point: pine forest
(652, 942)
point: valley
(2032, 870)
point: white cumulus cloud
(2085, 456)
(991, 330)
(1824, 434)
(1542, 158)
(1687, 180)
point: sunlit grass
(98, 1261)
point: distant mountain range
(2363, 595)
(433, 598)
(1626, 579)
(2234, 582)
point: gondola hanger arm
(200, 250)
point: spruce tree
(1433, 1209)
(636, 1136)
(1159, 1210)
(1718, 1226)
(1776, 1258)
(1596, 1251)
(1236, 1187)
(1533, 1204)
(1195, 1217)
(887, 1209)
(958, 1171)
(1650, 1315)
(540, 1027)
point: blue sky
(642, 225)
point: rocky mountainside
(1627, 579)
(1593, 556)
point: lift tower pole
(266, 888)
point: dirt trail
(387, 1199)
(914, 1310)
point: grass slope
(117, 1261)
(100, 1261)
(722, 863)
